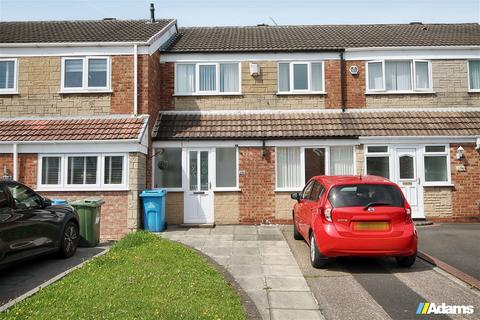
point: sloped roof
(312, 124)
(80, 31)
(322, 37)
(72, 129)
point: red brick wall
(466, 193)
(6, 161)
(333, 99)
(167, 85)
(122, 85)
(354, 85)
(27, 167)
(257, 199)
(113, 216)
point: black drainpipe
(342, 80)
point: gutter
(15, 162)
(135, 79)
(343, 83)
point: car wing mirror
(295, 196)
(47, 202)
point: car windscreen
(362, 195)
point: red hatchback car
(354, 216)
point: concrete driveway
(260, 260)
(361, 288)
(457, 244)
(23, 277)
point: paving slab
(292, 300)
(260, 260)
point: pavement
(23, 277)
(376, 288)
(456, 244)
(260, 260)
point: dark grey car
(31, 226)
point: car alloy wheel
(69, 240)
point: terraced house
(75, 102)
(249, 114)
(230, 120)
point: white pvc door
(198, 205)
(407, 177)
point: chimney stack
(152, 12)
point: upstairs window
(8, 81)
(300, 77)
(86, 74)
(474, 75)
(399, 76)
(207, 78)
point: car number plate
(371, 226)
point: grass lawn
(142, 277)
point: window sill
(171, 189)
(97, 189)
(226, 190)
(308, 93)
(85, 91)
(398, 92)
(474, 91)
(9, 93)
(430, 184)
(208, 94)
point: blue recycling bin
(59, 202)
(154, 209)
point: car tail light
(408, 214)
(328, 212)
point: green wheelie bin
(89, 213)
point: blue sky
(248, 12)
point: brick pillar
(257, 199)
(466, 194)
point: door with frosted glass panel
(198, 207)
(408, 178)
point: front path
(260, 260)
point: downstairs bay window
(296, 165)
(207, 78)
(399, 76)
(82, 172)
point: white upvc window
(474, 75)
(377, 161)
(83, 172)
(208, 78)
(399, 76)
(301, 77)
(226, 169)
(436, 164)
(86, 74)
(296, 165)
(8, 76)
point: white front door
(407, 168)
(198, 205)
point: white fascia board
(417, 139)
(68, 51)
(248, 56)
(162, 37)
(255, 143)
(75, 147)
(427, 53)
